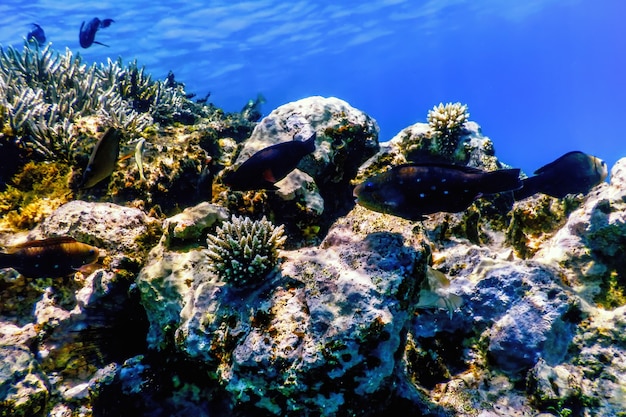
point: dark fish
(87, 33)
(103, 158)
(252, 110)
(269, 165)
(53, 257)
(413, 190)
(36, 34)
(573, 173)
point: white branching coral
(446, 122)
(43, 93)
(243, 250)
(448, 118)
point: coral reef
(491, 311)
(44, 94)
(319, 190)
(243, 250)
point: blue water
(540, 77)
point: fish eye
(368, 186)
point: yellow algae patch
(33, 193)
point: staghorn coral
(244, 250)
(43, 93)
(446, 122)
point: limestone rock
(331, 321)
(24, 388)
(346, 137)
(592, 242)
(415, 144)
(193, 221)
(116, 229)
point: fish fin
(105, 23)
(127, 156)
(50, 241)
(100, 43)
(5, 260)
(268, 176)
(434, 164)
(500, 181)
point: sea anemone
(446, 122)
(243, 250)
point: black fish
(413, 190)
(87, 33)
(103, 158)
(53, 257)
(573, 173)
(36, 34)
(269, 165)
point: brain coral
(243, 250)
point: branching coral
(43, 93)
(244, 250)
(446, 122)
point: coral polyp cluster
(244, 250)
(446, 122)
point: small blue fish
(36, 34)
(269, 165)
(412, 190)
(87, 33)
(573, 173)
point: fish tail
(530, 186)
(500, 181)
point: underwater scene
(264, 208)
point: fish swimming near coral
(52, 257)
(139, 157)
(103, 158)
(87, 32)
(435, 292)
(413, 190)
(269, 165)
(573, 173)
(252, 110)
(36, 34)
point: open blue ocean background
(541, 77)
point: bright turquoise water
(540, 77)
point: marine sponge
(244, 250)
(447, 122)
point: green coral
(446, 122)
(243, 250)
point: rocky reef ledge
(506, 309)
